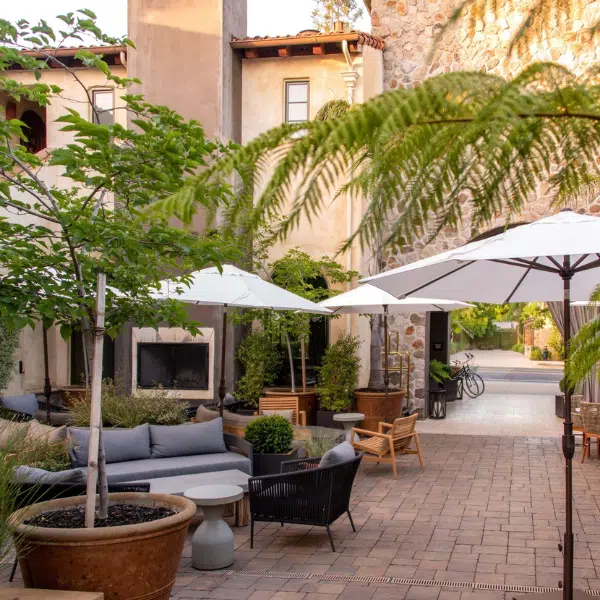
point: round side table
(212, 544)
(349, 420)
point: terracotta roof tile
(313, 36)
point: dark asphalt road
(526, 375)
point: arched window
(35, 131)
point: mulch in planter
(118, 514)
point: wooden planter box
(372, 405)
(307, 401)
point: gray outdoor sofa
(152, 451)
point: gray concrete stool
(212, 544)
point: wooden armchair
(590, 414)
(391, 439)
(279, 403)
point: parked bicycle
(470, 382)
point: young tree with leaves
(94, 217)
(327, 12)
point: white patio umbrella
(237, 288)
(555, 258)
(370, 300)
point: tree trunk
(376, 364)
(94, 454)
(102, 477)
(291, 360)
(303, 352)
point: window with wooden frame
(296, 101)
(104, 107)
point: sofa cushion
(12, 432)
(286, 414)
(25, 474)
(27, 404)
(237, 420)
(119, 444)
(338, 454)
(38, 432)
(182, 465)
(188, 439)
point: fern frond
(459, 141)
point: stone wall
(409, 28)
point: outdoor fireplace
(182, 366)
(180, 362)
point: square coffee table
(177, 485)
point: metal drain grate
(496, 587)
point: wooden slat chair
(278, 403)
(391, 439)
(576, 417)
(590, 413)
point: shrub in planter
(439, 372)
(261, 362)
(271, 438)
(338, 375)
(519, 348)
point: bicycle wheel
(471, 386)
(480, 383)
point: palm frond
(463, 141)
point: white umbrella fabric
(370, 300)
(555, 258)
(234, 287)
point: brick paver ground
(486, 510)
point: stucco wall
(409, 27)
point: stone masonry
(410, 28)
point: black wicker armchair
(303, 493)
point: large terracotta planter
(372, 405)
(307, 401)
(126, 563)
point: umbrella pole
(223, 348)
(47, 386)
(568, 440)
(386, 345)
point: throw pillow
(38, 432)
(12, 432)
(25, 474)
(188, 439)
(26, 405)
(338, 454)
(203, 414)
(120, 445)
(286, 414)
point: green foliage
(157, 407)
(439, 372)
(338, 375)
(96, 215)
(327, 12)
(414, 153)
(556, 343)
(332, 110)
(519, 348)
(476, 322)
(317, 446)
(535, 353)
(49, 456)
(536, 312)
(584, 349)
(301, 274)
(9, 342)
(270, 435)
(261, 362)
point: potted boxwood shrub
(271, 438)
(337, 379)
